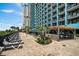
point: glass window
(49, 19)
(49, 10)
(49, 15)
(48, 24)
(49, 5)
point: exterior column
(58, 22)
(65, 14)
(51, 14)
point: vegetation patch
(77, 35)
(9, 31)
(43, 40)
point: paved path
(31, 48)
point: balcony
(54, 4)
(61, 6)
(73, 8)
(54, 15)
(54, 20)
(49, 10)
(73, 16)
(49, 5)
(61, 13)
(61, 19)
(54, 10)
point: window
(61, 23)
(45, 8)
(54, 24)
(45, 17)
(48, 24)
(45, 4)
(49, 5)
(45, 12)
(49, 19)
(49, 10)
(60, 3)
(49, 15)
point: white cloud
(7, 11)
(12, 11)
(19, 4)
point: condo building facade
(55, 14)
(26, 15)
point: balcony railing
(73, 8)
(54, 22)
(54, 4)
(61, 13)
(54, 15)
(61, 6)
(73, 16)
(54, 10)
(61, 19)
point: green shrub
(77, 35)
(3, 33)
(43, 40)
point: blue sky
(10, 15)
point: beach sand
(31, 48)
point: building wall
(26, 16)
(53, 14)
(32, 20)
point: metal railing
(11, 41)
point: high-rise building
(33, 16)
(26, 16)
(55, 14)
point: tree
(14, 28)
(17, 28)
(27, 29)
(43, 30)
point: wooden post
(58, 33)
(74, 34)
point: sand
(31, 48)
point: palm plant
(43, 30)
(27, 29)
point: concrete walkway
(31, 48)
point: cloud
(12, 11)
(19, 4)
(7, 11)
